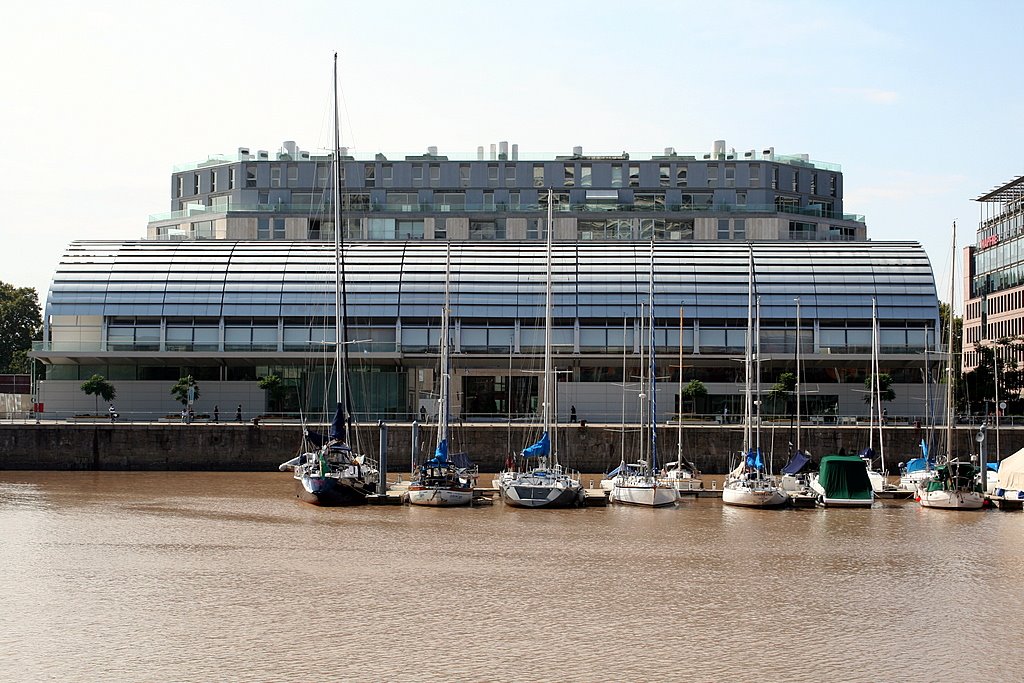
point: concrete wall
(149, 400)
(244, 447)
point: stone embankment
(591, 448)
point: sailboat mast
(797, 388)
(340, 350)
(756, 345)
(679, 417)
(444, 408)
(652, 400)
(876, 386)
(874, 380)
(949, 356)
(747, 403)
(548, 388)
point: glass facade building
(230, 311)
(994, 281)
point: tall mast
(874, 379)
(949, 361)
(340, 330)
(679, 417)
(748, 350)
(548, 388)
(443, 416)
(652, 400)
(756, 346)
(797, 388)
(876, 387)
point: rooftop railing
(321, 210)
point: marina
(129, 570)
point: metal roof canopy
(1005, 193)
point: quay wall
(590, 448)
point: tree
(275, 388)
(98, 386)
(979, 385)
(783, 391)
(693, 391)
(180, 390)
(20, 324)
(885, 391)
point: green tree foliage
(885, 391)
(784, 392)
(979, 385)
(275, 388)
(694, 391)
(99, 387)
(180, 390)
(20, 323)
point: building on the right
(994, 277)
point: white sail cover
(1011, 472)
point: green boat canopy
(844, 476)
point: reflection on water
(217, 576)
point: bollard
(382, 482)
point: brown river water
(226, 577)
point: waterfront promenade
(231, 446)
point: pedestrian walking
(216, 414)
(113, 413)
(572, 413)
(238, 413)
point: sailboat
(681, 474)
(547, 484)
(335, 473)
(440, 482)
(750, 484)
(878, 478)
(954, 484)
(636, 483)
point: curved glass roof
(835, 281)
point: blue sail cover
(754, 459)
(919, 464)
(924, 448)
(440, 454)
(542, 447)
(338, 424)
(796, 463)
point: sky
(918, 102)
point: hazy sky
(919, 102)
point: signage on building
(989, 241)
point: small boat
(636, 483)
(842, 481)
(954, 484)
(750, 484)
(440, 481)
(331, 472)
(546, 484)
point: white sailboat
(681, 474)
(954, 483)
(336, 473)
(879, 478)
(440, 481)
(750, 484)
(636, 483)
(547, 484)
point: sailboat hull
(952, 500)
(743, 496)
(540, 496)
(437, 496)
(331, 491)
(648, 496)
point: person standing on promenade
(238, 413)
(216, 414)
(113, 413)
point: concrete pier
(262, 447)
